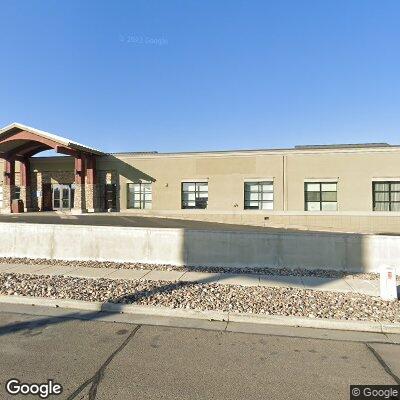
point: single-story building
(335, 187)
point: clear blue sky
(203, 75)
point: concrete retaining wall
(352, 252)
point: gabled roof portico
(19, 142)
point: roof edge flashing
(341, 146)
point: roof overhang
(21, 141)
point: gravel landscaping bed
(279, 271)
(257, 300)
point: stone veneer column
(91, 187)
(25, 185)
(8, 185)
(80, 193)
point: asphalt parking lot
(116, 219)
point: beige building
(339, 187)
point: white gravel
(258, 300)
(278, 271)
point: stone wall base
(93, 210)
(79, 200)
(86, 196)
(78, 211)
(91, 196)
(25, 196)
(7, 195)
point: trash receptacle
(17, 206)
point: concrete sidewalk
(344, 285)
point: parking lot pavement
(117, 219)
(124, 361)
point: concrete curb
(116, 308)
(318, 323)
(217, 316)
(46, 302)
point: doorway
(110, 198)
(63, 197)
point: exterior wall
(354, 169)
(225, 176)
(49, 171)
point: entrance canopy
(19, 142)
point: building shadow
(48, 320)
(126, 170)
(279, 249)
(117, 168)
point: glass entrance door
(62, 197)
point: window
(259, 195)
(139, 195)
(320, 196)
(194, 194)
(386, 196)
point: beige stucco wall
(354, 169)
(225, 176)
(226, 173)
